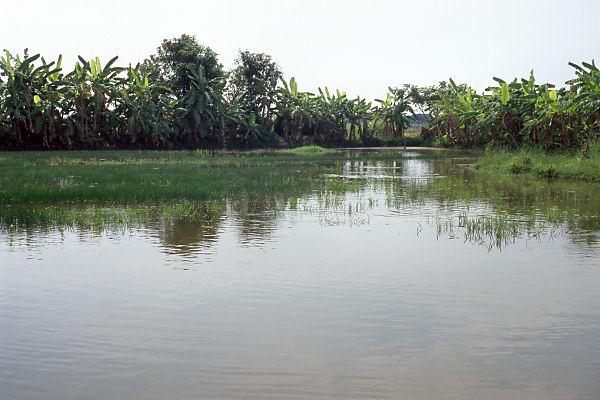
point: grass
(137, 177)
(89, 189)
(497, 230)
(96, 217)
(309, 150)
(568, 165)
(140, 176)
(497, 209)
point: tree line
(521, 112)
(182, 97)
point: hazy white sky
(358, 46)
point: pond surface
(420, 281)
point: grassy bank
(569, 165)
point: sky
(361, 47)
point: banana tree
(293, 111)
(586, 102)
(359, 117)
(457, 114)
(94, 98)
(26, 105)
(49, 104)
(147, 111)
(199, 109)
(394, 112)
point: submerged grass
(497, 231)
(569, 165)
(100, 217)
(498, 209)
(87, 189)
(140, 176)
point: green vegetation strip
(570, 165)
(181, 97)
(134, 177)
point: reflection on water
(401, 278)
(187, 238)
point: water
(377, 293)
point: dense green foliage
(521, 113)
(182, 97)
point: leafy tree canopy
(254, 81)
(175, 58)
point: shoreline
(533, 162)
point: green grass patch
(568, 165)
(135, 177)
(309, 150)
(99, 217)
